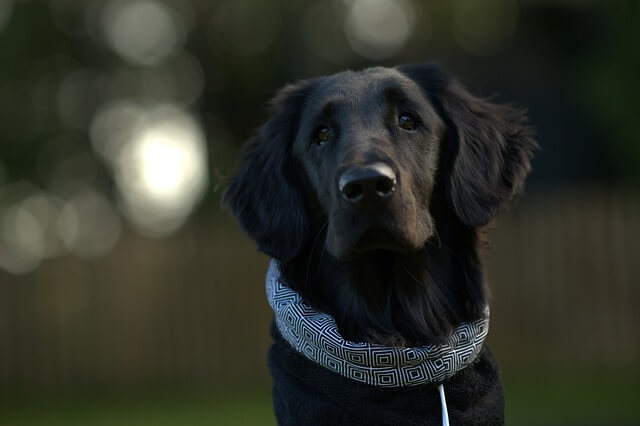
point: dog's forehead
(353, 87)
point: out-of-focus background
(128, 296)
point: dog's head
(362, 153)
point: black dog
(371, 189)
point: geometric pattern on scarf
(315, 335)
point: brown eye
(322, 136)
(407, 121)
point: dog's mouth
(369, 239)
(354, 233)
(376, 239)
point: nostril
(369, 183)
(385, 186)
(352, 191)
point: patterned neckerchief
(315, 335)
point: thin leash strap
(443, 404)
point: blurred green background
(128, 297)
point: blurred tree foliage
(36, 55)
(611, 84)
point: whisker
(404, 268)
(438, 242)
(315, 241)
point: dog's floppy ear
(266, 193)
(490, 146)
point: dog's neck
(392, 298)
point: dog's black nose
(370, 182)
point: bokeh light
(378, 29)
(37, 225)
(27, 227)
(143, 32)
(6, 9)
(44, 210)
(111, 127)
(16, 239)
(88, 224)
(159, 157)
(22, 230)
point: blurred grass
(532, 399)
(550, 398)
(235, 408)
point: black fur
(491, 147)
(422, 274)
(306, 394)
(265, 194)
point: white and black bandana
(315, 335)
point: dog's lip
(375, 239)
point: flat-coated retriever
(370, 189)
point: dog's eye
(408, 121)
(322, 136)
